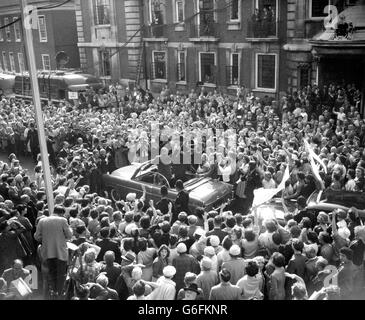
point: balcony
(204, 32)
(156, 32)
(262, 30)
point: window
(304, 75)
(159, 65)
(235, 10)
(7, 29)
(104, 60)
(316, 8)
(157, 11)
(179, 11)
(17, 29)
(21, 62)
(207, 67)
(101, 12)
(181, 66)
(42, 28)
(46, 61)
(233, 70)
(1, 33)
(207, 17)
(263, 21)
(12, 62)
(266, 71)
(5, 62)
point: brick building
(56, 32)
(318, 51)
(185, 42)
(216, 43)
(109, 39)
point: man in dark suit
(217, 231)
(163, 204)
(64, 151)
(32, 138)
(181, 202)
(253, 181)
(106, 244)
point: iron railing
(204, 29)
(156, 31)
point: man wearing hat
(192, 292)
(184, 263)
(236, 265)
(165, 287)
(207, 278)
(225, 290)
(107, 244)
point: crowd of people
(91, 247)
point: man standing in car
(253, 181)
(182, 200)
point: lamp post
(28, 37)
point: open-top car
(203, 190)
(330, 200)
(319, 200)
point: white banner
(262, 195)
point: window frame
(42, 39)
(17, 28)
(5, 62)
(1, 31)
(101, 55)
(7, 29)
(307, 69)
(200, 65)
(238, 67)
(95, 12)
(12, 61)
(314, 18)
(238, 13)
(154, 64)
(215, 17)
(176, 11)
(163, 11)
(43, 64)
(179, 62)
(257, 74)
(277, 2)
(21, 59)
